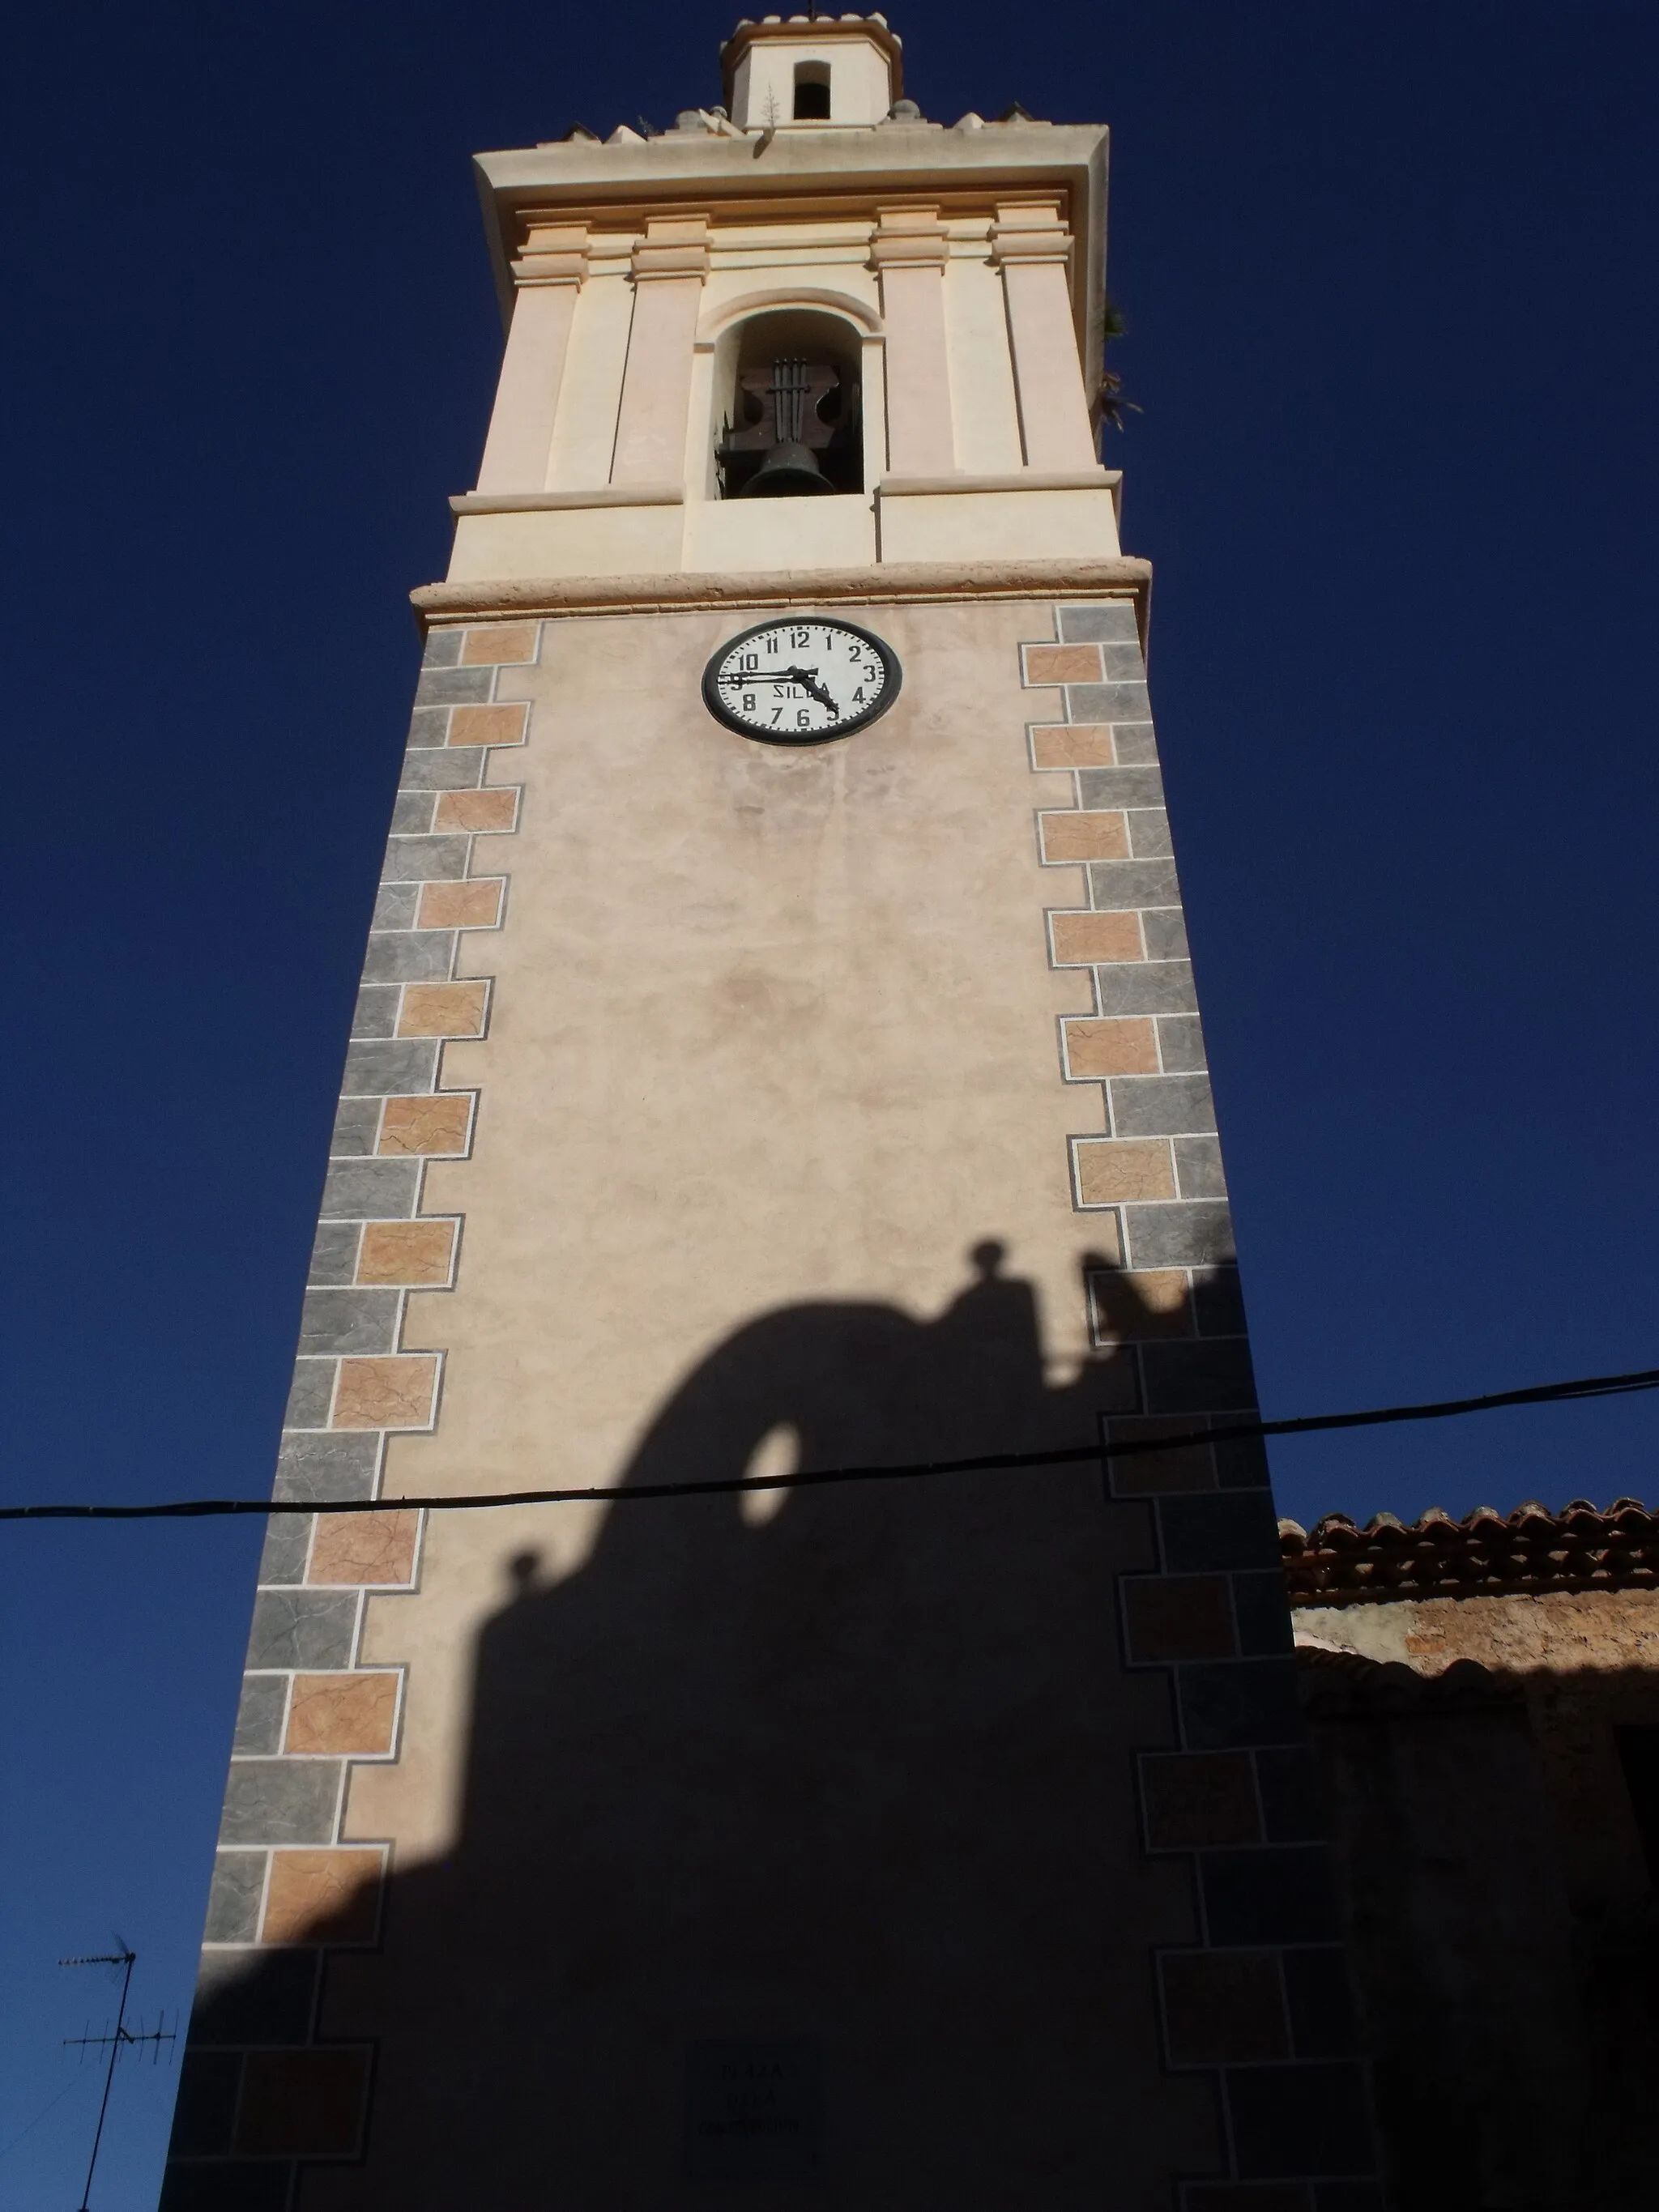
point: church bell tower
(777, 1052)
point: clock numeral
(748, 702)
(800, 637)
(804, 719)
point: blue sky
(1391, 326)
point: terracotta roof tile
(1582, 1547)
(1344, 1685)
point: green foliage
(1112, 401)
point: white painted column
(908, 251)
(546, 280)
(1032, 247)
(651, 421)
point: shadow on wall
(1506, 1963)
(823, 1796)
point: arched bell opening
(791, 424)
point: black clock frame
(893, 676)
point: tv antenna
(123, 2040)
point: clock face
(801, 681)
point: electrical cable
(1541, 1394)
(52, 2105)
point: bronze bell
(786, 402)
(788, 469)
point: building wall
(1498, 1888)
(837, 1106)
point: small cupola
(804, 71)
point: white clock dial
(800, 681)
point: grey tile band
(252, 1995)
(1237, 1726)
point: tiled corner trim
(259, 2089)
(1261, 2000)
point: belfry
(777, 1054)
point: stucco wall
(834, 1107)
(1499, 1900)
(773, 1048)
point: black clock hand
(806, 677)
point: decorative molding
(1098, 479)
(789, 295)
(554, 254)
(548, 502)
(1029, 231)
(909, 237)
(910, 582)
(675, 246)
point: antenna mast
(126, 1958)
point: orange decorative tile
(475, 905)
(1081, 835)
(302, 2104)
(406, 1252)
(1081, 938)
(1171, 1617)
(395, 1392)
(1063, 663)
(1223, 2008)
(495, 809)
(1110, 1170)
(1106, 1046)
(436, 1125)
(443, 1010)
(497, 644)
(1072, 745)
(375, 1548)
(1132, 1306)
(330, 1896)
(340, 1714)
(487, 725)
(1181, 1468)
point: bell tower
(777, 1053)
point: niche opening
(793, 426)
(812, 91)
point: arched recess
(739, 344)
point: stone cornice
(900, 583)
(851, 171)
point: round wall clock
(801, 682)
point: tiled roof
(1344, 1685)
(1484, 1555)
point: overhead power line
(190, 1509)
